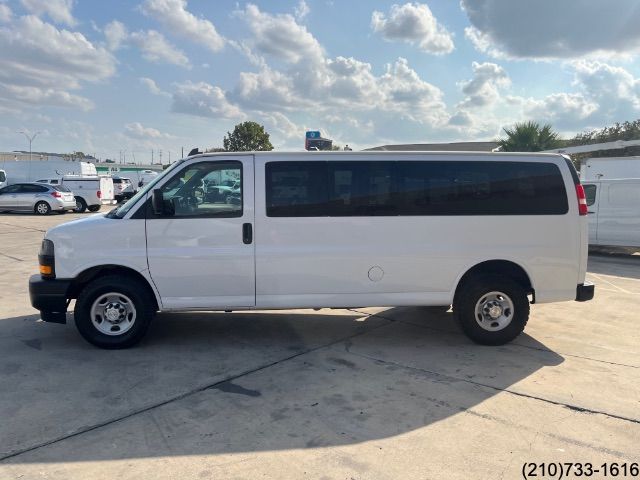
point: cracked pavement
(361, 393)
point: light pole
(31, 138)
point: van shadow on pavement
(217, 383)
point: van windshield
(122, 210)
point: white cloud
(301, 10)
(41, 64)
(415, 24)
(45, 96)
(563, 110)
(484, 88)
(153, 87)
(155, 48)
(137, 130)
(553, 29)
(174, 15)
(203, 100)
(5, 13)
(58, 10)
(280, 36)
(115, 34)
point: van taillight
(582, 200)
(99, 193)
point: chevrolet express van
(486, 233)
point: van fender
(475, 263)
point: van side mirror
(157, 202)
(140, 184)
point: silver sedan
(36, 197)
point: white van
(614, 212)
(91, 192)
(488, 233)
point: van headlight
(46, 259)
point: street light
(31, 139)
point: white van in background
(488, 233)
(614, 212)
(91, 192)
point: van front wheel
(491, 309)
(114, 312)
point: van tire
(42, 208)
(134, 293)
(81, 205)
(468, 309)
(94, 208)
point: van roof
(382, 154)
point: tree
(246, 137)
(529, 137)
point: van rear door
(201, 252)
(593, 193)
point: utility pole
(169, 157)
(182, 156)
(152, 156)
(160, 153)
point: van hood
(79, 225)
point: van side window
(361, 189)
(296, 189)
(590, 193)
(206, 189)
(388, 188)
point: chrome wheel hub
(494, 311)
(113, 313)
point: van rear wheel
(81, 205)
(114, 312)
(94, 208)
(492, 309)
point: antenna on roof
(194, 151)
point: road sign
(313, 134)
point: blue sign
(314, 134)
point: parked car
(123, 189)
(91, 192)
(38, 198)
(488, 233)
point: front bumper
(50, 297)
(585, 292)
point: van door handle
(590, 213)
(247, 233)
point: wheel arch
(94, 272)
(508, 268)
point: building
(439, 147)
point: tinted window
(3, 177)
(12, 189)
(33, 189)
(590, 193)
(117, 180)
(296, 189)
(480, 188)
(361, 188)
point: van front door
(201, 252)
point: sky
(123, 79)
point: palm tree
(529, 137)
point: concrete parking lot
(335, 394)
